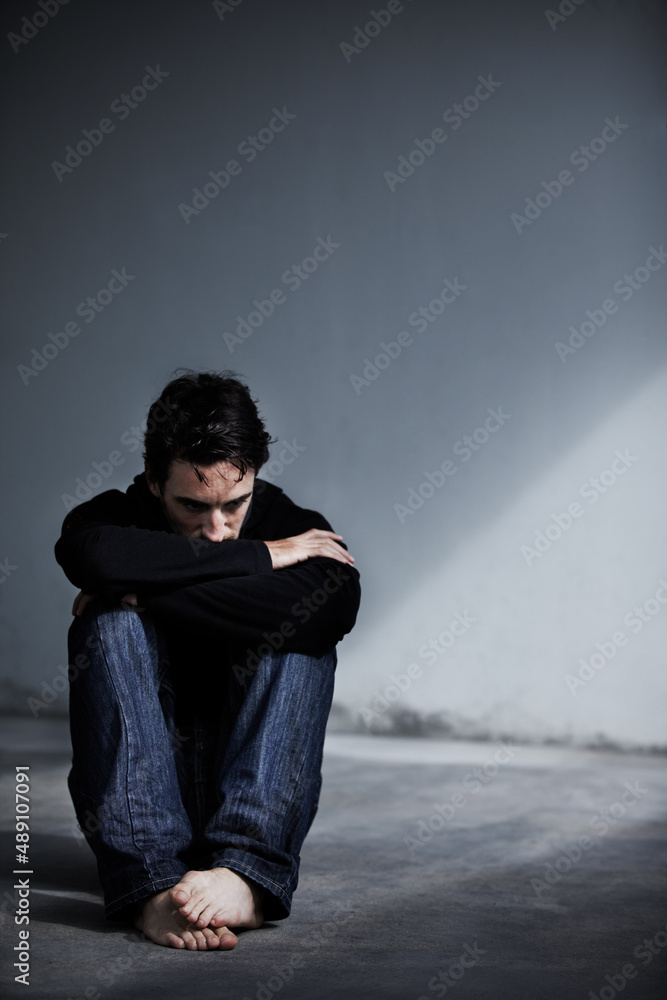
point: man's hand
(81, 601)
(315, 542)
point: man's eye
(191, 506)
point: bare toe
(201, 940)
(205, 904)
(212, 939)
(227, 938)
(175, 941)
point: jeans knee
(102, 622)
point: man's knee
(102, 623)
(271, 661)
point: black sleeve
(102, 552)
(227, 590)
(305, 608)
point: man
(202, 659)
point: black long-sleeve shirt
(220, 595)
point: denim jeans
(159, 791)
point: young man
(202, 659)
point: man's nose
(214, 526)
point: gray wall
(331, 173)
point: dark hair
(204, 418)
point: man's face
(193, 509)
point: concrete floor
(489, 881)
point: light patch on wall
(535, 621)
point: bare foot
(161, 922)
(219, 898)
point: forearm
(110, 560)
(311, 606)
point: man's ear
(153, 485)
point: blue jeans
(159, 791)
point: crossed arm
(232, 590)
(284, 552)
